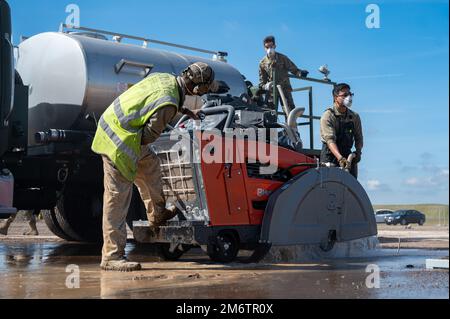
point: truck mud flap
(315, 205)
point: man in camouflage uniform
(340, 130)
(282, 65)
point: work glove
(195, 115)
(343, 163)
(303, 73)
(268, 86)
(357, 157)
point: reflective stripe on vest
(117, 141)
(120, 128)
(126, 119)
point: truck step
(5, 212)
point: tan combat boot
(160, 219)
(122, 265)
(33, 229)
(5, 227)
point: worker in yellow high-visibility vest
(125, 130)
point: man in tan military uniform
(340, 130)
(197, 79)
(282, 65)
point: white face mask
(348, 101)
(192, 102)
(270, 52)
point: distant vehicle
(406, 217)
(381, 214)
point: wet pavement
(46, 268)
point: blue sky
(399, 72)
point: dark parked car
(406, 217)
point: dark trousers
(289, 100)
(327, 157)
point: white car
(381, 214)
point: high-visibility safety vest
(120, 128)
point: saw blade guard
(316, 207)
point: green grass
(435, 213)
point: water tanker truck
(53, 98)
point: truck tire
(79, 213)
(53, 225)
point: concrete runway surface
(46, 267)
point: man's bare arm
(335, 150)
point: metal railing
(66, 28)
(310, 116)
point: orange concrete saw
(234, 204)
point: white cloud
(373, 184)
(413, 181)
(436, 181)
(377, 185)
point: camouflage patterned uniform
(343, 129)
(282, 65)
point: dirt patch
(414, 237)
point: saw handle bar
(210, 108)
(184, 118)
(217, 110)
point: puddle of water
(38, 270)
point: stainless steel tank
(71, 76)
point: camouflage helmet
(201, 75)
